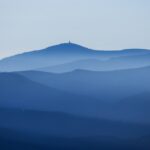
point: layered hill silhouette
(97, 64)
(74, 93)
(74, 56)
(20, 92)
(121, 95)
(119, 83)
(59, 124)
(71, 97)
(44, 130)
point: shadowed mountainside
(121, 95)
(119, 84)
(20, 92)
(40, 96)
(41, 130)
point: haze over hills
(122, 94)
(103, 96)
(70, 53)
(113, 63)
(119, 83)
(77, 97)
(20, 92)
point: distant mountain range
(68, 56)
(71, 97)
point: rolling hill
(121, 95)
(119, 84)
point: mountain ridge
(80, 46)
(69, 52)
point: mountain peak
(68, 45)
(67, 48)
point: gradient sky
(99, 24)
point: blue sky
(99, 24)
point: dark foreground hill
(37, 130)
